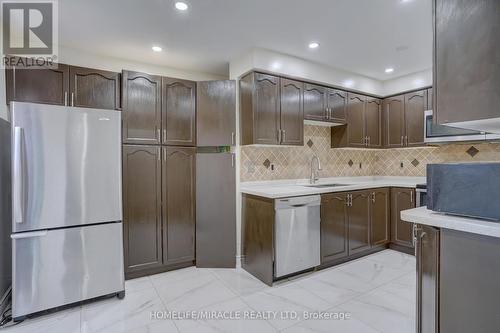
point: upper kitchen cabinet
(315, 102)
(363, 128)
(93, 88)
(179, 112)
(260, 108)
(272, 110)
(394, 126)
(292, 112)
(216, 113)
(415, 105)
(373, 121)
(324, 104)
(47, 86)
(467, 63)
(141, 108)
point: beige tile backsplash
(274, 162)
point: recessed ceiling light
(313, 45)
(389, 70)
(156, 48)
(181, 5)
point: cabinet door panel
(373, 120)
(315, 102)
(356, 120)
(142, 207)
(394, 121)
(415, 105)
(179, 112)
(47, 86)
(292, 112)
(266, 109)
(216, 113)
(141, 108)
(401, 199)
(359, 222)
(179, 195)
(334, 227)
(380, 231)
(93, 88)
(337, 104)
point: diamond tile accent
(350, 163)
(472, 151)
(415, 162)
(310, 143)
(267, 163)
(293, 162)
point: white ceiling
(362, 36)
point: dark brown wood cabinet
(315, 102)
(394, 125)
(380, 217)
(179, 112)
(402, 232)
(179, 195)
(466, 60)
(337, 106)
(216, 113)
(141, 108)
(356, 120)
(415, 105)
(272, 110)
(93, 88)
(47, 86)
(142, 222)
(373, 121)
(334, 227)
(292, 112)
(359, 221)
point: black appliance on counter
(464, 189)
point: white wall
(266, 60)
(407, 82)
(85, 59)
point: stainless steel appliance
(67, 207)
(297, 234)
(5, 215)
(466, 189)
(435, 133)
(421, 195)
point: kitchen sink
(326, 185)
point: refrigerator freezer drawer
(58, 267)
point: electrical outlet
(272, 167)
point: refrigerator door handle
(232, 160)
(18, 173)
(31, 234)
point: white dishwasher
(297, 234)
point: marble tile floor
(377, 292)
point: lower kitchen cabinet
(353, 223)
(334, 227)
(401, 233)
(158, 208)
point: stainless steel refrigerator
(66, 206)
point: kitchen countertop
(422, 215)
(275, 189)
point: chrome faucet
(314, 176)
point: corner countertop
(275, 189)
(422, 215)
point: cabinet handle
(164, 135)
(72, 99)
(402, 140)
(232, 138)
(232, 160)
(411, 196)
(326, 113)
(158, 134)
(283, 136)
(65, 98)
(369, 140)
(406, 140)
(373, 197)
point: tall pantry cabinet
(159, 157)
